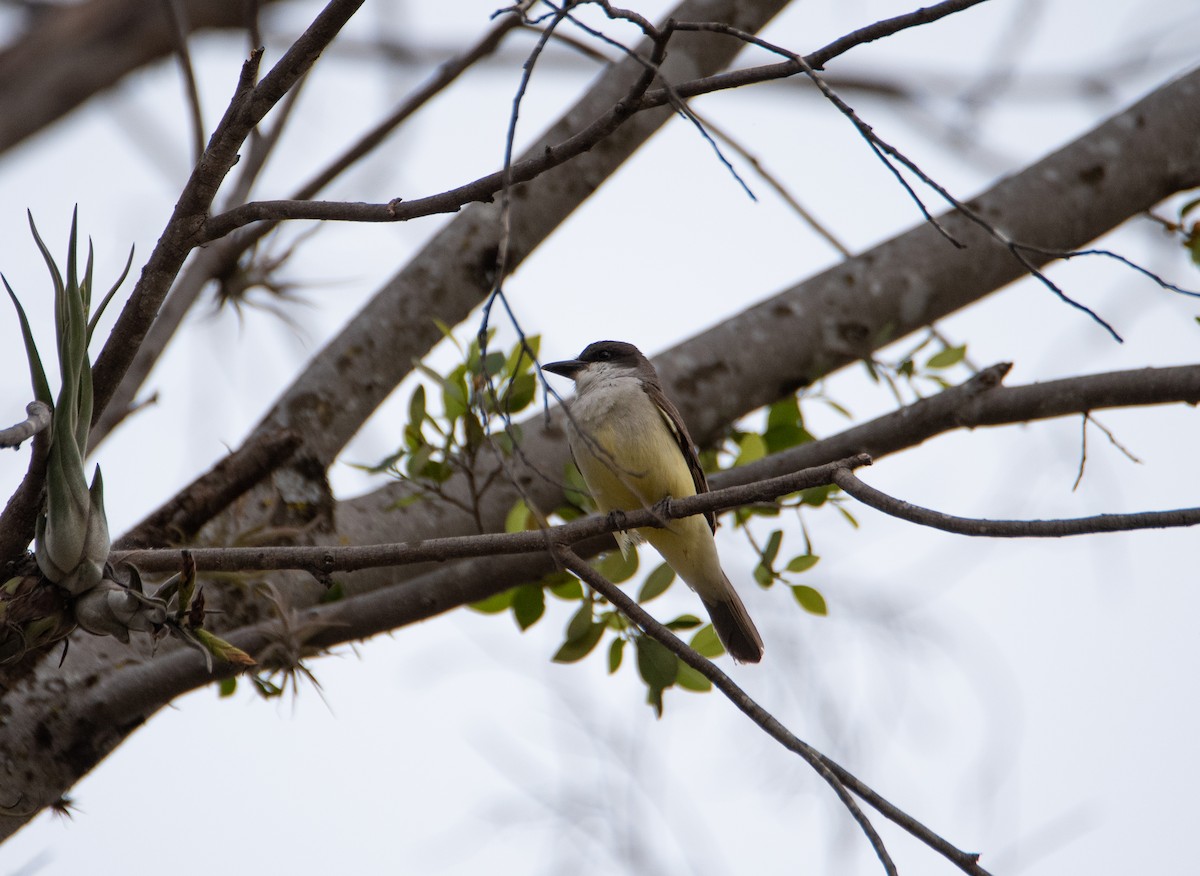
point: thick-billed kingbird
(634, 451)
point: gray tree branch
(71, 52)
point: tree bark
(73, 52)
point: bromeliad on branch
(72, 541)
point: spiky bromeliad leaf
(72, 536)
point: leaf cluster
(478, 398)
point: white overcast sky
(1034, 701)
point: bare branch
(73, 51)
(981, 401)
(222, 256)
(324, 560)
(249, 105)
(880, 501)
(177, 15)
(355, 372)
(484, 189)
(840, 779)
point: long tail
(734, 627)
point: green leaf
(1188, 207)
(1193, 245)
(417, 460)
(580, 624)
(751, 448)
(615, 652)
(108, 295)
(802, 563)
(528, 605)
(657, 666)
(947, 357)
(519, 393)
(656, 583)
(763, 575)
(570, 589)
(684, 622)
(227, 686)
(37, 374)
(574, 650)
(266, 688)
(810, 599)
(472, 430)
(335, 593)
(772, 549)
(817, 496)
(454, 393)
(689, 679)
(575, 490)
(845, 412)
(654, 696)
(501, 601)
(222, 650)
(416, 407)
(519, 358)
(404, 501)
(785, 425)
(494, 363)
(616, 567)
(518, 518)
(706, 644)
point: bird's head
(603, 360)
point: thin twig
(485, 188)
(887, 153)
(330, 559)
(222, 256)
(839, 778)
(178, 18)
(881, 501)
(1112, 439)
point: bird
(634, 451)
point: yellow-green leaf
(810, 599)
(689, 679)
(802, 563)
(947, 357)
(706, 644)
(656, 583)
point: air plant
(72, 539)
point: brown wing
(671, 415)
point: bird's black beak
(567, 368)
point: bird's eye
(604, 355)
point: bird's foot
(662, 510)
(618, 520)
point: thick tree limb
(981, 401)
(551, 155)
(453, 274)
(74, 51)
(221, 258)
(181, 518)
(249, 105)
